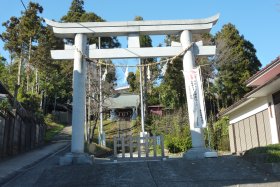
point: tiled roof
(122, 100)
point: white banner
(195, 98)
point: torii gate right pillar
(188, 65)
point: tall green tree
(77, 13)
(14, 44)
(31, 29)
(235, 62)
(3, 70)
(11, 37)
(173, 86)
(21, 40)
(173, 82)
(131, 80)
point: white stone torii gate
(132, 29)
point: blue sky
(257, 20)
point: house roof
(267, 81)
(4, 90)
(265, 74)
(122, 100)
(155, 106)
(122, 88)
(271, 86)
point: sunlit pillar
(188, 65)
(79, 93)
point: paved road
(24, 169)
(29, 176)
(223, 171)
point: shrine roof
(122, 100)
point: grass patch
(53, 127)
(267, 154)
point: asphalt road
(29, 176)
(222, 171)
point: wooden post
(123, 150)
(130, 146)
(155, 145)
(139, 147)
(162, 145)
(147, 146)
(115, 146)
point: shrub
(4, 105)
(174, 126)
(219, 134)
(30, 101)
(179, 141)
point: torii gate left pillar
(79, 78)
(77, 155)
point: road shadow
(221, 171)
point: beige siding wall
(267, 127)
(231, 139)
(260, 104)
(247, 133)
(250, 132)
(242, 136)
(237, 137)
(254, 132)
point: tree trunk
(36, 81)
(89, 109)
(93, 127)
(28, 66)
(18, 80)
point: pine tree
(14, 44)
(20, 39)
(3, 70)
(30, 31)
(235, 62)
(77, 13)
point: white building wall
(272, 120)
(256, 106)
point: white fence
(139, 147)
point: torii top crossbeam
(107, 29)
(133, 29)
